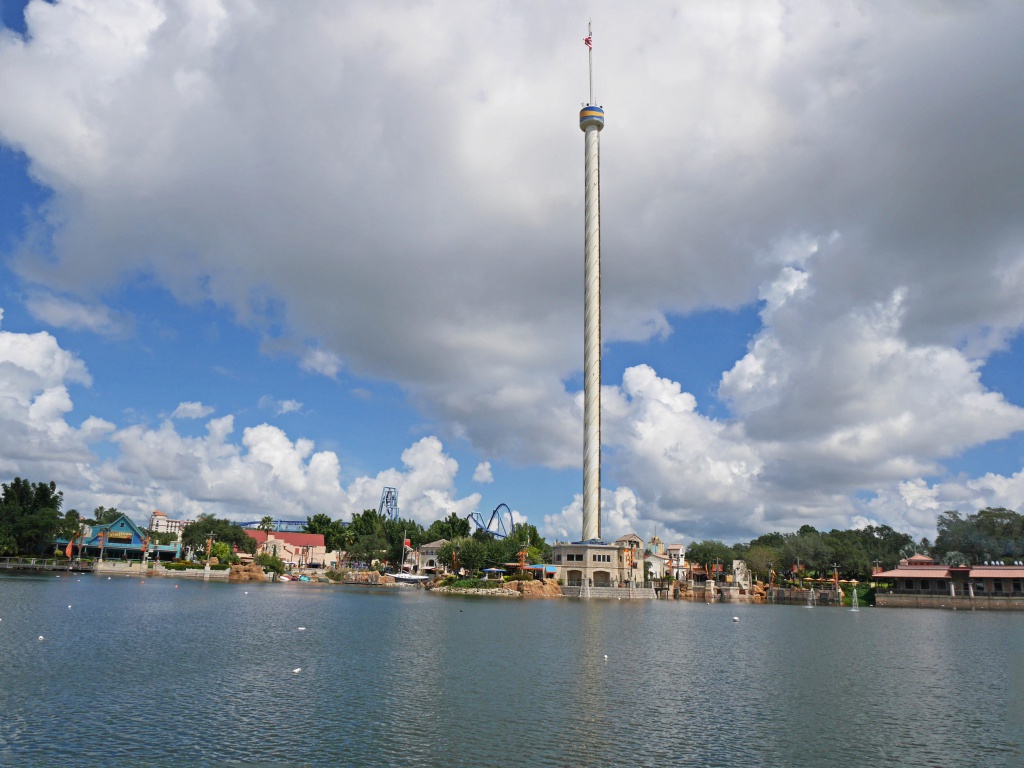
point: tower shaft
(592, 121)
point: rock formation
(250, 572)
(536, 588)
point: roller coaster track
(496, 525)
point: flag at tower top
(589, 41)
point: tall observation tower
(591, 123)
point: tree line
(31, 520)
(989, 535)
(372, 536)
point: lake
(172, 672)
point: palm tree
(266, 525)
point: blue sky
(256, 262)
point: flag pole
(590, 58)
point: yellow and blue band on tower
(591, 115)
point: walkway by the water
(44, 564)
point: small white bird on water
(735, 618)
(302, 629)
(294, 671)
(40, 637)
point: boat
(409, 578)
(403, 577)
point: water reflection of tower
(591, 123)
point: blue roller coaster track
(496, 525)
(388, 504)
(290, 526)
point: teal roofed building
(121, 539)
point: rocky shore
(523, 589)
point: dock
(44, 564)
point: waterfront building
(921, 582)
(427, 558)
(656, 566)
(677, 560)
(298, 550)
(121, 539)
(593, 563)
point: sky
(267, 259)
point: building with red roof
(300, 550)
(920, 582)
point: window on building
(979, 586)
(1016, 585)
(997, 585)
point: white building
(160, 523)
(676, 554)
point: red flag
(408, 543)
(67, 552)
(589, 41)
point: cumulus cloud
(280, 407)
(66, 313)
(831, 161)
(192, 410)
(36, 438)
(482, 473)
(320, 361)
(262, 471)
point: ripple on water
(203, 674)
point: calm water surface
(169, 672)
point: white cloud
(280, 407)
(321, 361)
(66, 313)
(35, 437)
(192, 410)
(482, 473)
(831, 159)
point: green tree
(30, 516)
(848, 553)
(993, 533)
(758, 557)
(102, 516)
(451, 528)
(706, 552)
(955, 558)
(333, 531)
(222, 551)
(807, 547)
(269, 562)
(464, 553)
(194, 535)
